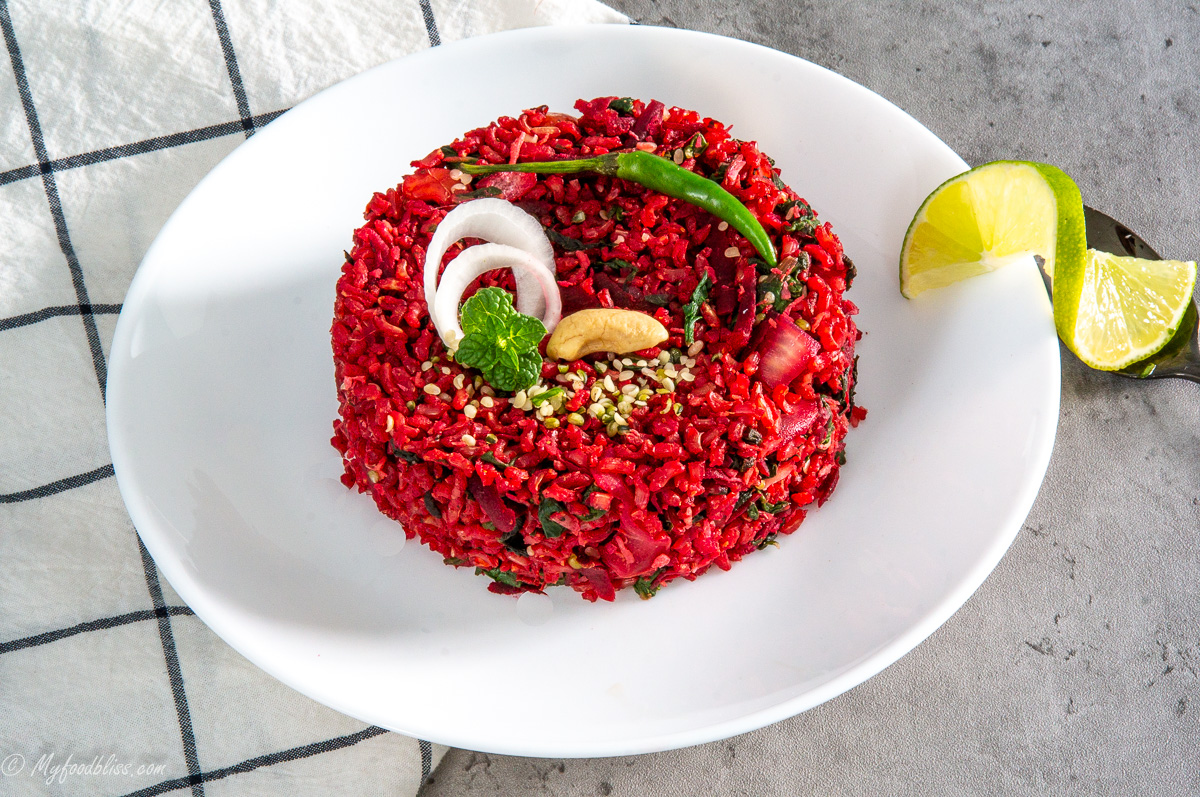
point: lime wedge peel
(1127, 309)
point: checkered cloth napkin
(112, 111)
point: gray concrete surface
(1074, 668)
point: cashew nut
(604, 329)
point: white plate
(221, 395)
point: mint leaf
(691, 310)
(513, 372)
(475, 351)
(526, 332)
(487, 311)
(499, 341)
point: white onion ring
(500, 222)
(476, 260)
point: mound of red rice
(710, 463)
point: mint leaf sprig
(499, 341)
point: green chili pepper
(658, 174)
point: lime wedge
(1126, 309)
(999, 213)
(1110, 311)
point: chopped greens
(695, 146)
(767, 540)
(407, 456)
(567, 243)
(691, 310)
(618, 264)
(480, 193)
(828, 433)
(623, 105)
(488, 456)
(756, 503)
(499, 341)
(551, 506)
(593, 514)
(546, 508)
(497, 574)
(804, 222)
(781, 286)
(515, 542)
(645, 588)
(431, 506)
(773, 509)
(542, 398)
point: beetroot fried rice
(726, 442)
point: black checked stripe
(231, 65)
(48, 182)
(140, 147)
(431, 27)
(251, 764)
(12, 322)
(426, 759)
(92, 625)
(174, 674)
(60, 486)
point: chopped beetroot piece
(799, 420)
(648, 124)
(489, 498)
(512, 185)
(784, 350)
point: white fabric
(112, 112)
